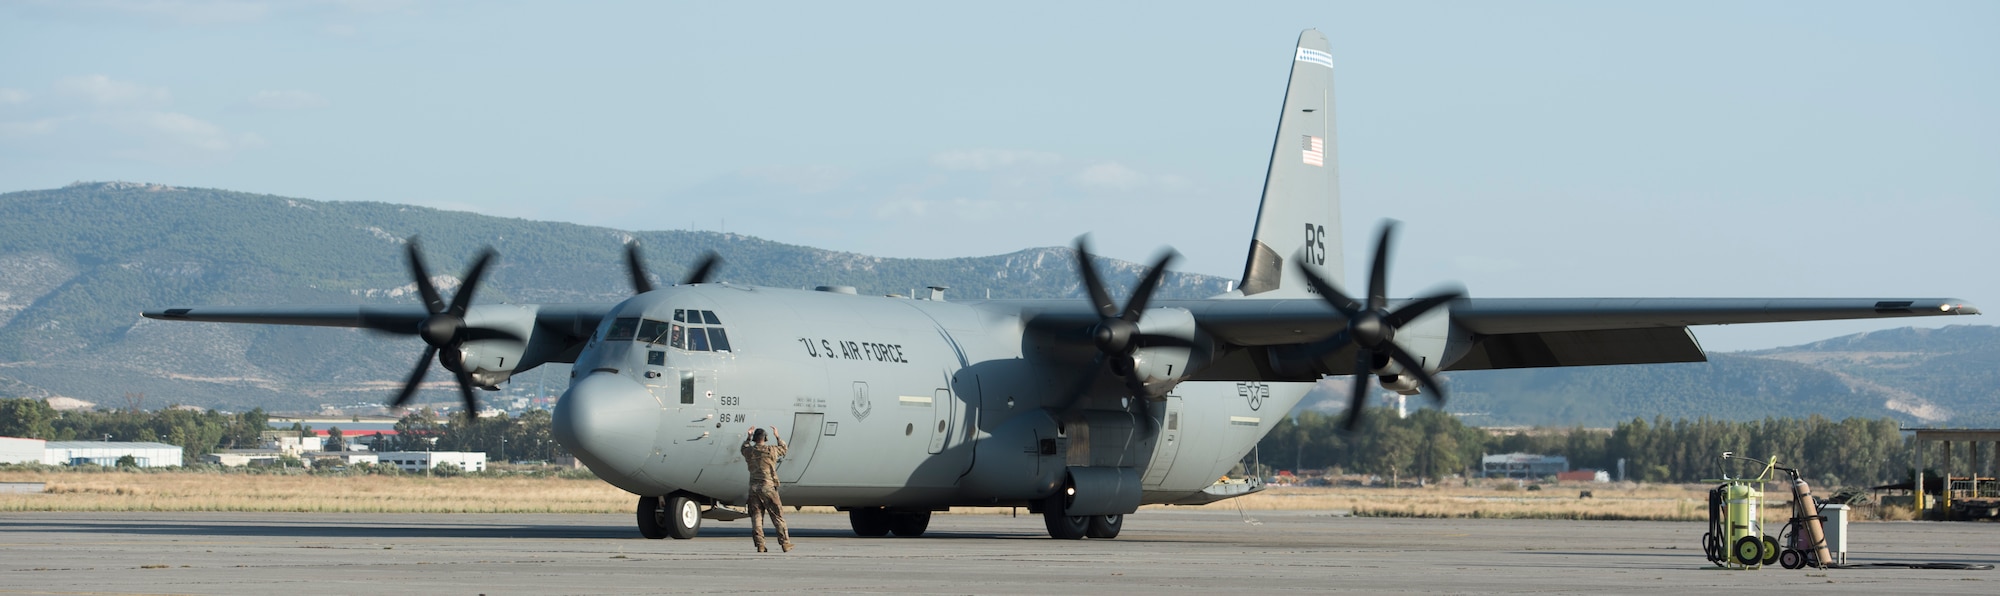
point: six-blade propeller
(1371, 327)
(445, 330)
(1117, 331)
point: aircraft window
(674, 337)
(656, 358)
(652, 332)
(677, 315)
(697, 340)
(708, 316)
(622, 329)
(717, 339)
(687, 387)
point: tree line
(1432, 444)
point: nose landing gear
(675, 516)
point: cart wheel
(1811, 558)
(1748, 550)
(1792, 558)
(1770, 550)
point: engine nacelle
(1171, 349)
(493, 360)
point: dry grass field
(212, 491)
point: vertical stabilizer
(1299, 217)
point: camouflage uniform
(763, 460)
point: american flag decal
(1315, 151)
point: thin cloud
(288, 99)
(102, 91)
(983, 160)
(12, 96)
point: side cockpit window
(622, 329)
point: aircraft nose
(609, 421)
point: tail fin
(1300, 215)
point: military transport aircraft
(898, 407)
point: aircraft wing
(557, 325)
(1542, 332)
(394, 319)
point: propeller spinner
(1371, 326)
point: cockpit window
(622, 329)
(700, 334)
(652, 332)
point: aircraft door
(941, 406)
(806, 430)
(1168, 444)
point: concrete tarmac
(1160, 551)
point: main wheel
(1748, 550)
(909, 524)
(872, 522)
(1770, 550)
(1062, 525)
(683, 516)
(652, 520)
(1105, 526)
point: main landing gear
(673, 515)
(875, 522)
(1063, 526)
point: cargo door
(1168, 444)
(806, 429)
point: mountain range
(78, 264)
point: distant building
(21, 451)
(1522, 465)
(290, 442)
(345, 458)
(243, 457)
(105, 453)
(420, 461)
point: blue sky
(1530, 148)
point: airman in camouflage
(763, 460)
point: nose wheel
(672, 516)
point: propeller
(1371, 326)
(635, 265)
(445, 330)
(1117, 331)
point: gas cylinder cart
(1736, 537)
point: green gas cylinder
(1745, 547)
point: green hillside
(78, 264)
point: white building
(21, 451)
(1522, 465)
(103, 453)
(419, 461)
(290, 443)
